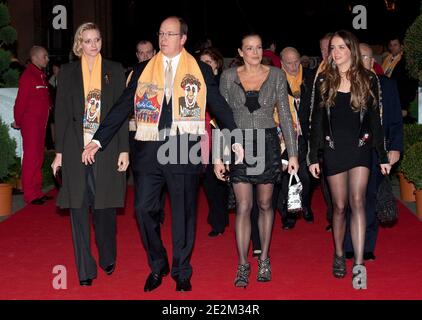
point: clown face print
(188, 106)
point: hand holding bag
(294, 195)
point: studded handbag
(294, 195)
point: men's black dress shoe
(154, 280)
(183, 285)
(86, 283)
(45, 198)
(110, 269)
(369, 256)
(308, 216)
(288, 224)
(349, 254)
(214, 233)
(38, 201)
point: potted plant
(7, 160)
(412, 168)
(412, 133)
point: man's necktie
(168, 81)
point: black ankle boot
(242, 276)
(339, 266)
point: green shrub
(7, 152)
(412, 164)
(413, 49)
(412, 133)
(8, 36)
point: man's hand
(57, 162)
(239, 152)
(220, 170)
(315, 170)
(284, 165)
(393, 156)
(123, 162)
(293, 166)
(385, 168)
(89, 153)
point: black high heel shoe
(359, 276)
(339, 266)
(242, 276)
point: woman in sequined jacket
(253, 90)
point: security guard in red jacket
(31, 114)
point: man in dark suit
(394, 66)
(393, 131)
(301, 102)
(151, 175)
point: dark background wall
(298, 23)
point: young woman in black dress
(345, 126)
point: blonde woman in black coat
(86, 91)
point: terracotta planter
(419, 204)
(5, 199)
(407, 189)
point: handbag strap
(291, 178)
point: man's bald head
(367, 55)
(39, 56)
(290, 59)
(289, 51)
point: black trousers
(371, 231)
(326, 192)
(183, 189)
(217, 193)
(133, 155)
(105, 232)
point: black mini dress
(345, 124)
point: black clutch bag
(58, 177)
(386, 206)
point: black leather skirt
(262, 160)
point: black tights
(244, 198)
(349, 187)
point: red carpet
(38, 238)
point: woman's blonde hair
(77, 42)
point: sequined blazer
(272, 92)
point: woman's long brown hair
(357, 74)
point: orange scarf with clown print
(188, 98)
(92, 94)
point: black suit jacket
(146, 158)
(303, 113)
(407, 86)
(69, 113)
(392, 119)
